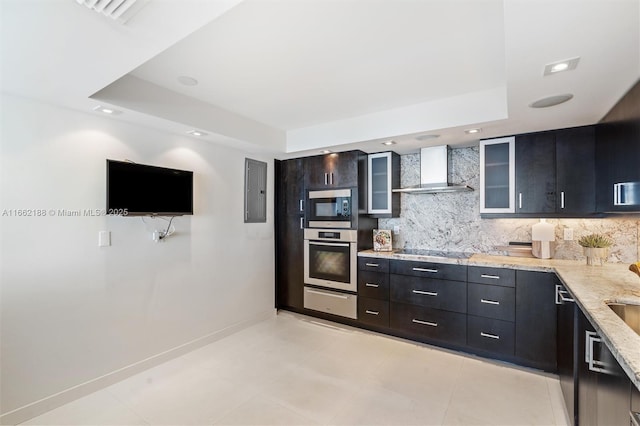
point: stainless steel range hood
(434, 172)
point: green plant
(595, 240)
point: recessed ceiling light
(559, 66)
(187, 81)
(107, 110)
(196, 133)
(551, 101)
(389, 143)
(426, 137)
(472, 131)
(325, 151)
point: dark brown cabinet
(566, 350)
(604, 396)
(536, 319)
(373, 291)
(535, 173)
(555, 172)
(289, 242)
(339, 170)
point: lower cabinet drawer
(491, 301)
(491, 335)
(430, 293)
(331, 302)
(373, 284)
(373, 311)
(429, 323)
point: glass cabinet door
(383, 176)
(497, 175)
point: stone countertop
(591, 286)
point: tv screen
(138, 189)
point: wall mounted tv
(139, 189)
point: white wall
(72, 311)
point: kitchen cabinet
(335, 170)
(566, 349)
(575, 170)
(497, 175)
(373, 291)
(289, 225)
(603, 387)
(428, 301)
(535, 173)
(383, 176)
(536, 319)
(554, 174)
(491, 310)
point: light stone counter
(591, 286)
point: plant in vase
(596, 248)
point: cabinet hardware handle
(373, 265)
(433, 271)
(372, 285)
(562, 199)
(331, 179)
(326, 178)
(489, 302)
(520, 200)
(594, 364)
(491, 336)
(560, 295)
(493, 277)
(302, 223)
(302, 205)
(429, 323)
(372, 312)
(426, 293)
(337, 296)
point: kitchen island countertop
(591, 286)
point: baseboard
(56, 400)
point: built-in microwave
(330, 208)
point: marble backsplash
(452, 221)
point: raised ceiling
(296, 76)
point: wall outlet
(568, 234)
(104, 239)
(396, 229)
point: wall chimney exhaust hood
(434, 172)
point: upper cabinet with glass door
(384, 175)
(497, 175)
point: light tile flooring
(294, 370)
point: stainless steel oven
(330, 262)
(330, 208)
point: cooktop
(436, 253)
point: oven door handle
(316, 243)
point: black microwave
(329, 208)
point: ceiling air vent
(118, 10)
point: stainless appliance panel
(331, 208)
(331, 302)
(331, 258)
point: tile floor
(293, 370)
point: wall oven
(330, 262)
(330, 208)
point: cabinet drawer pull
(493, 277)
(433, 271)
(562, 199)
(372, 285)
(491, 336)
(489, 302)
(426, 293)
(373, 265)
(302, 223)
(372, 312)
(301, 205)
(326, 178)
(429, 323)
(520, 200)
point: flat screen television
(138, 189)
